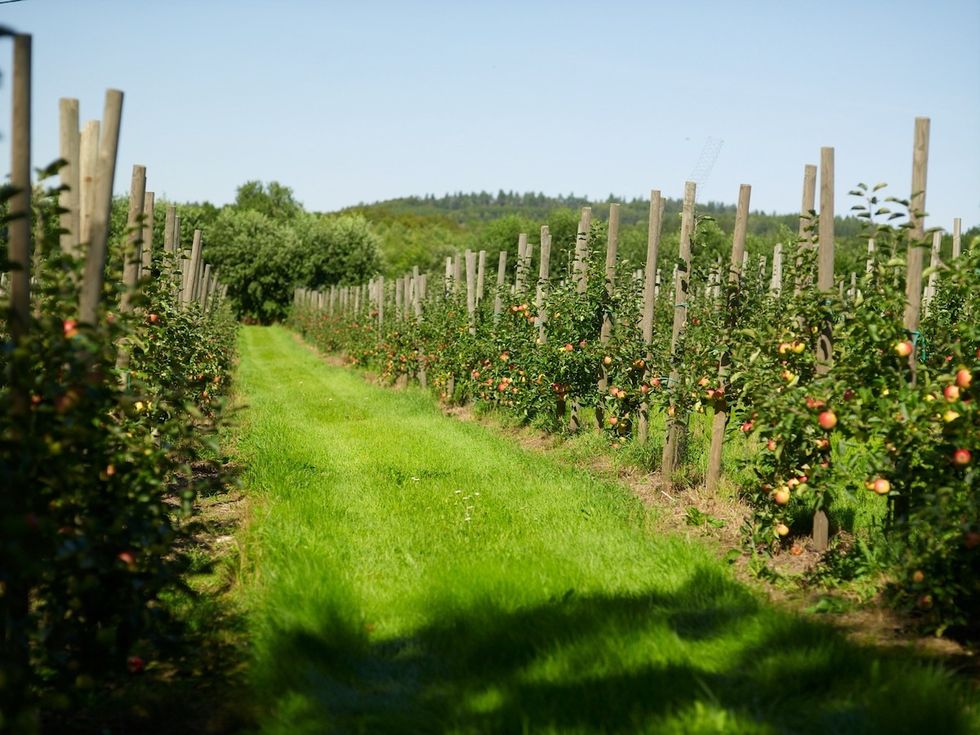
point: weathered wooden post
(719, 421)
(807, 207)
(520, 271)
(544, 274)
(193, 264)
(146, 245)
(471, 290)
(676, 424)
(105, 175)
(88, 153)
(917, 210)
(825, 283)
(937, 241)
(481, 270)
(580, 273)
(605, 331)
(776, 283)
(957, 224)
(19, 229)
(651, 285)
(68, 198)
(498, 303)
(131, 252)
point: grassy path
(411, 573)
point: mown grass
(408, 573)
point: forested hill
(470, 209)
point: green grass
(410, 573)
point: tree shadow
(728, 663)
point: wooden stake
(581, 265)
(146, 246)
(131, 252)
(675, 423)
(19, 228)
(169, 226)
(937, 241)
(105, 175)
(193, 265)
(719, 421)
(957, 224)
(498, 303)
(776, 283)
(544, 273)
(68, 198)
(913, 278)
(521, 269)
(481, 270)
(650, 292)
(807, 208)
(605, 331)
(88, 166)
(471, 289)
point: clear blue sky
(359, 101)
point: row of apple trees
(868, 432)
(100, 425)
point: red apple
(962, 457)
(134, 664)
(127, 558)
(951, 392)
(569, 347)
(746, 427)
(612, 420)
(904, 349)
(881, 486)
(827, 420)
(781, 496)
(963, 378)
(70, 328)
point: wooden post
(131, 252)
(776, 283)
(498, 303)
(605, 331)
(193, 265)
(88, 165)
(447, 289)
(381, 300)
(913, 278)
(650, 293)
(481, 269)
(169, 229)
(807, 208)
(544, 273)
(719, 421)
(937, 241)
(399, 295)
(206, 286)
(871, 256)
(19, 229)
(521, 269)
(581, 274)
(957, 224)
(471, 289)
(676, 424)
(457, 274)
(105, 175)
(582, 250)
(68, 198)
(825, 284)
(146, 246)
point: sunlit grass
(407, 572)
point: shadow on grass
(708, 657)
